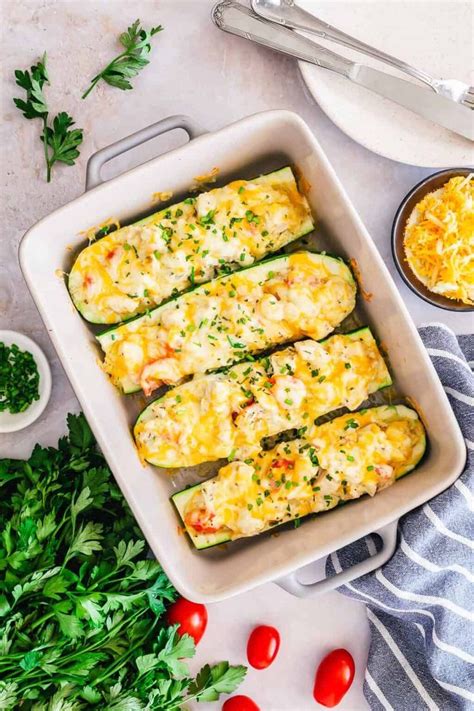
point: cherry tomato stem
(190, 616)
(334, 677)
(262, 646)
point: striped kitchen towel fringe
(420, 605)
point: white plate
(433, 36)
(13, 422)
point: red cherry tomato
(190, 616)
(240, 703)
(263, 646)
(334, 677)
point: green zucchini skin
(91, 312)
(174, 394)
(336, 265)
(208, 540)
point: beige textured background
(215, 78)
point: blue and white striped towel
(420, 604)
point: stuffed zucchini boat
(141, 265)
(227, 414)
(344, 459)
(225, 320)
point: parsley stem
(125, 657)
(97, 78)
(94, 81)
(45, 146)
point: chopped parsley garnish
(351, 424)
(313, 457)
(235, 344)
(252, 217)
(19, 379)
(207, 219)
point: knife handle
(238, 20)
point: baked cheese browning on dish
(139, 266)
(220, 323)
(228, 414)
(344, 459)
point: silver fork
(287, 13)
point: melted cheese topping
(139, 266)
(439, 240)
(340, 460)
(217, 324)
(228, 414)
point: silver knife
(232, 17)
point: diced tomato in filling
(111, 254)
(282, 464)
(200, 520)
(247, 404)
(87, 280)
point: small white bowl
(10, 422)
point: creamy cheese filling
(228, 414)
(341, 460)
(216, 325)
(139, 266)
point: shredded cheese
(439, 240)
(91, 233)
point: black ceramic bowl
(409, 202)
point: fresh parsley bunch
(81, 606)
(137, 46)
(60, 141)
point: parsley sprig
(81, 605)
(60, 141)
(137, 46)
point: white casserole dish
(250, 146)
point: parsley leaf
(137, 47)
(32, 82)
(59, 141)
(62, 140)
(219, 679)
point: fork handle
(292, 16)
(237, 19)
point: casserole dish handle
(100, 158)
(291, 584)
